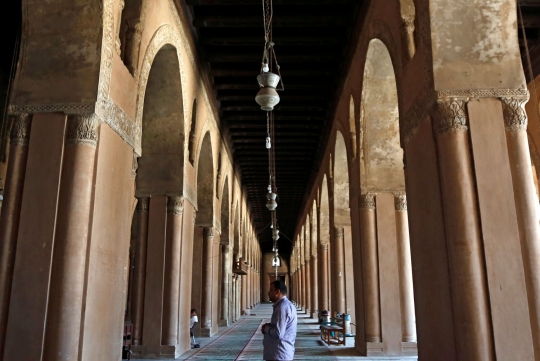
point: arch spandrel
(475, 45)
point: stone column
(515, 119)
(408, 329)
(323, 254)
(224, 317)
(238, 290)
(313, 285)
(206, 314)
(140, 269)
(169, 333)
(308, 285)
(9, 217)
(66, 292)
(303, 285)
(368, 240)
(339, 259)
(233, 299)
(462, 230)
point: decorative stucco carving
(408, 25)
(515, 116)
(82, 129)
(68, 108)
(134, 166)
(451, 115)
(142, 205)
(339, 231)
(208, 232)
(400, 202)
(175, 204)
(20, 129)
(367, 201)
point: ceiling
(311, 42)
(531, 21)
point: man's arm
(278, 329)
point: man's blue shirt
(280, 336)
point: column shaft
(462, 230)
(66, 293)
(208, 244)
(408, 330)
(308, 286)
(339, 258)
(140, 269)
(313, 285)
(224, 317)
(169, 333)
(526, 208)
(11, 209)
(323, 255)
(368, 239)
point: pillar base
(223, 323)
(314, 314)
(205, 332)
(409, 348)
(153, 352)
(374, 349)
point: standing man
(280, 334)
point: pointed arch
(205, 184)
(161, 165)
(352, 126)
(382, 160)
(193, 132)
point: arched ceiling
(311, 43)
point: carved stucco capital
(20, 129)
(451, 115)
(400, 202)
(175, 204)
(208, 232)
(339, 231)
(515, 117)
(367, 201)
(142, 205)
(82, 129)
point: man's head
(278, 289)
(193, 312)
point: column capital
(400, 202)
(20, 129)
(451, 115)
(142, 204)
(208, 232)
(175, 204)
(367, 201)
(515, 117)
(82, 129)
(339, 231)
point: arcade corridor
(242, 342)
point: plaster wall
(476, 48)
(61, 53)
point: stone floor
(243, 341)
